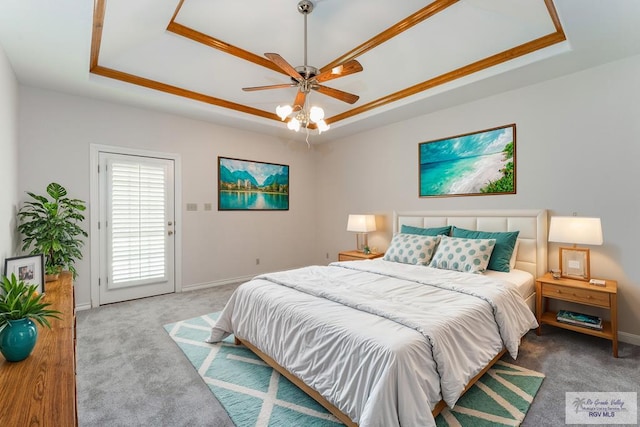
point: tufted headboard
(532, 224)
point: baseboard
(629, 338)
(87, 306)
(81, 307)
(206, 285)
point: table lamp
(361, 225)
(574, 261)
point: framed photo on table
(574, 263)
(29, 268)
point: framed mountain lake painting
(473, 164)
(250, 185)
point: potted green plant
(51, 227)
(20, 305)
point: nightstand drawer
(343, 257)
(584, 296)
(356, 256)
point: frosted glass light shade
(322, 126)
(316, 114)
(294, 124)
(361, 223)
(576, 230)
(283, 111)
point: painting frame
(480, 163)
(29, 268)
(574, 263)
(251, 185)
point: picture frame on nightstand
(574, 263)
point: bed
(382, 343)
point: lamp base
(361, 242)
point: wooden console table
(41, 390)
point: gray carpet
(130, 373)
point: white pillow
(462, 254)
(411, 249)
(514, 255)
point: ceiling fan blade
(350, 67)
(280, 86)
(336, 93)
(299, 101)
(284, 65)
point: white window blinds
(138, 217)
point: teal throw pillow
(466, 255)
(411, 249)
(505, 244)
(434, 231)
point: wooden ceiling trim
(222, 46)
(421, 15)
(174, 90)
(474, 67)
(96, 33)
(175, 14)
(553, 14)
(94, 68)
(396, 29)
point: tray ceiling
(197, 55)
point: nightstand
(578, 291)
(356, 256)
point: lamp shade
(361, 223)
(576, 230)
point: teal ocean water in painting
(253, 200)
(464, 164)
(460, 176)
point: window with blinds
(137, 222)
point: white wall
(578, 147)
(56, 131)
(8, 159)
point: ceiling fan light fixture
(322, 126)
(316, 114)
(294, 124)
(283, 111)
(307, 78)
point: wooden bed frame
(341, 416)
(531, 257)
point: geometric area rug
(255, 395)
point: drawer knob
(559, 291)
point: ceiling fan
(308, 78)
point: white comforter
(382, 341)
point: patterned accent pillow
(411, 249)
(505, 244)
(467, 255)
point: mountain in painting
(280, 179)
(232, 177)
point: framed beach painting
(250, 185)
(473, 164)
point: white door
(136, 227)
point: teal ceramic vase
(17, 339)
